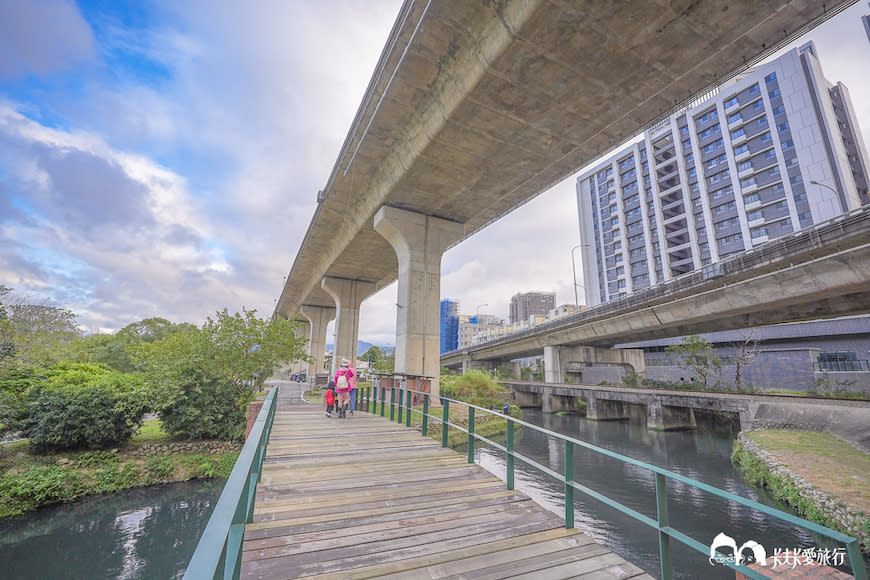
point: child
(329, 397)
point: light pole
(574, 270)
(814, 182)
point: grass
(28, 481)
(825, 461)
(151, 432)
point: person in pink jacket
(345, 380)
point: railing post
(401, 405)
(664, 521)
(445, 416)
(569, 489)
(392, 403)
(471, 434)
(408, 410)
(383, 401)
(425, 414)
(509, 444)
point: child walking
(329, 398)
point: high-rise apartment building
(774, 150)
(449, 325)
(529, 303)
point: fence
(374, 400)
(219, 551)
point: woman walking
(343, 377)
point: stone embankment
(191, 447)
(848, 520)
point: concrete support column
(419, 242)
(319, 318)
(553, 365)
(516, 370)
(348, 295)
(665, 417)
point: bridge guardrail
(400, 406)
(219, 551)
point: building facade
(772, 151)
(472, 326)
(449, 325)
(530, 303)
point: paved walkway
(366, 498)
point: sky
(162, 158)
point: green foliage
(38, 486)
(158, 469)
(113, 477)
(379, 361)
(33, 334)
(81, 406)
(632, 379)
(475, 387)
(696, 354)
(206, 408)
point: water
(701, 454)
(145, 533)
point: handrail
(219, 551)
(661, 523)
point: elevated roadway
(815, 273)
(477, 107)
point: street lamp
(814, 182)
(574, 270)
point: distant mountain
(362, 346)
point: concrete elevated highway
(475, 108)
(815, 273)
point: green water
(147, 533)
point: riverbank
(30, 481)
(824, 478)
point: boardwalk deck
(367, 498)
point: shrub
(475, 387)
(158, 469)
(206, 409)
(90, 412)
(38, 486)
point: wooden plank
(364, 497)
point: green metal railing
(660, 523)
(219, 551)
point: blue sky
(162, 158)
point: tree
(34, 334)
(744, 354)
(696, 354)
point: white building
(774, 150)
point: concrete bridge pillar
(665, 417)
(318, 318)
(526, 399)
(516, 370)
(551, 403)
(606, 410)
(348, 295)
(419, 242)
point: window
(758, 232)
(738, 133)
(773, 172)
(773, 94)
(782, 127)
(770, 78)
(684, 131)
(754, 215)
(766, 138)
(743, 166)
(747, 182)
(692, 172)
(731, 102)
(734, 118)
(796, 179)
(754, 89)
(761, 121)
(742, 149)
(779, 110)
(788, 144)
(687, 144)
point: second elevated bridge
(819, 272)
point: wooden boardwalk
(364, 497)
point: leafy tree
(204, 408)
(114, 350)
(380, 361)
(227, 357)
(696, 354)
(33, 334)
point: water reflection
(142, 533)
(702, 454)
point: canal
(702, 454)
(144, 533)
